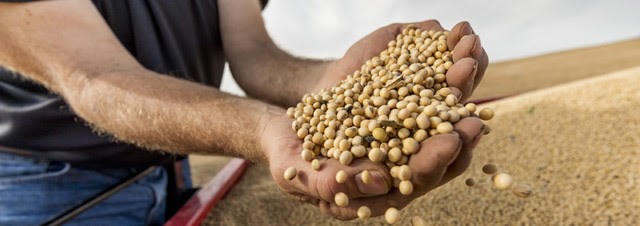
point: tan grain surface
(577, 144)
(527, 74)
(204, 167)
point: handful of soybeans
(384, 110)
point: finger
(428, 166)
(469, 46)
(324, 186)
(461, 76)
(457, 32)
(470, 130)
(430, 163)
(353, 187)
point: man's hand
(440, 159)
(470, 59)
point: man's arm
(66, 46)
(263, 70)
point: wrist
(332, 70)
(268, 118)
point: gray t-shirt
(174, 37)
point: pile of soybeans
(382, 111)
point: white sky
(508, 29)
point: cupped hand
(440, 159)
(469, 57)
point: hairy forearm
(277, 77)
(161, 112)
(263, 70)
(66, 46)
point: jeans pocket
(21, 170)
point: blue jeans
(32, 192)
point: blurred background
(508, 29)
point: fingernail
(377, 186)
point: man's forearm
(66, 46)
(263, 70)
(277, 77)
(165, 113)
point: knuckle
(327, 187)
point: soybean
(404, 173)
(486, 114)
(364, 212)
(392, 215)
(366, 177)
(290, 173)
(346, 157)
(405, 187)
(418, 221)
(410, 146)
(315, 164)
(502, 181)
(444, 127)
(380, 134)
(341, 199)
(470, 182)
(489, 169)
(341, 176)
(521, 190)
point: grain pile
(527, 74)
(577, 145)
(382, 111)
(204, 168)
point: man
(81, 77)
